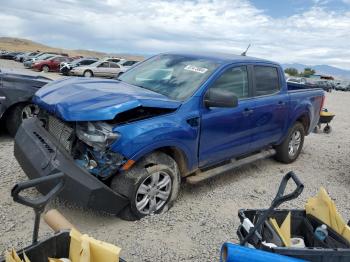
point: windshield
(174, 76)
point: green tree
(308, 72)
(291, 71)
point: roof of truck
(223, 58)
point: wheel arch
(179, 154)
(88, 70)
(17, 103)
(42, 67)
(304, 119)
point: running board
(200, 176)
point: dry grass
(18, 44)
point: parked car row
(111, 67)
(327, 85)
(342, 86)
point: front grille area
(61, 131)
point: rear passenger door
(114, 69)
(270, 113)
(102, 69)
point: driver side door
(227, 132)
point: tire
(288, 151)
(45, 68)
(17, 114)
(88, 73)
(327, 129)
(137, 185)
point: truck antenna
(245, 52)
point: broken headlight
(98, 135)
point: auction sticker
(196, 69)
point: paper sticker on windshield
(196, 69)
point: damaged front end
(88, 143)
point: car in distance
(126, 64)
(16, 92)
(10, 56)
(343, 86)
(126, 144)
(66, 67)
(98, 69)
(51, 64)
(22, 57)
(29, 63)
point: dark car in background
(66, 67)
(51, 64)
(10, 56)
(16, 92)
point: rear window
(266, 80)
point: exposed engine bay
(89, 142)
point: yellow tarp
(284, 230)
(87, 249)
(323, 208)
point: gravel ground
(205, 215)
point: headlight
(99, 135)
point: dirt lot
(205, 215)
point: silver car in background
(98, 69)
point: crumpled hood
(86, 99)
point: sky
(286, 31)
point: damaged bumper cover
(39, 155)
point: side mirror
(218, 98)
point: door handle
(247, 111)
(281, 103)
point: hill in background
(19, 44)
(322, 70)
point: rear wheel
(151, 186)
(289, 150)
(17, 114)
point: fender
(190, 157)
(10, 100)
(300, 110)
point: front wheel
(289, 150)
(88, 73)
(151, 186)
(17, 114)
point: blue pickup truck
(126, 144)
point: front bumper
(39, 154)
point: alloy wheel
(294, 143)
(153, 193)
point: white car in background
(126, 64)
(99, 69)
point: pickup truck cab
(125, 144)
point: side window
(129, 63)
(113, 65)
(266, 80)
(104, 64)
(234, 81)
